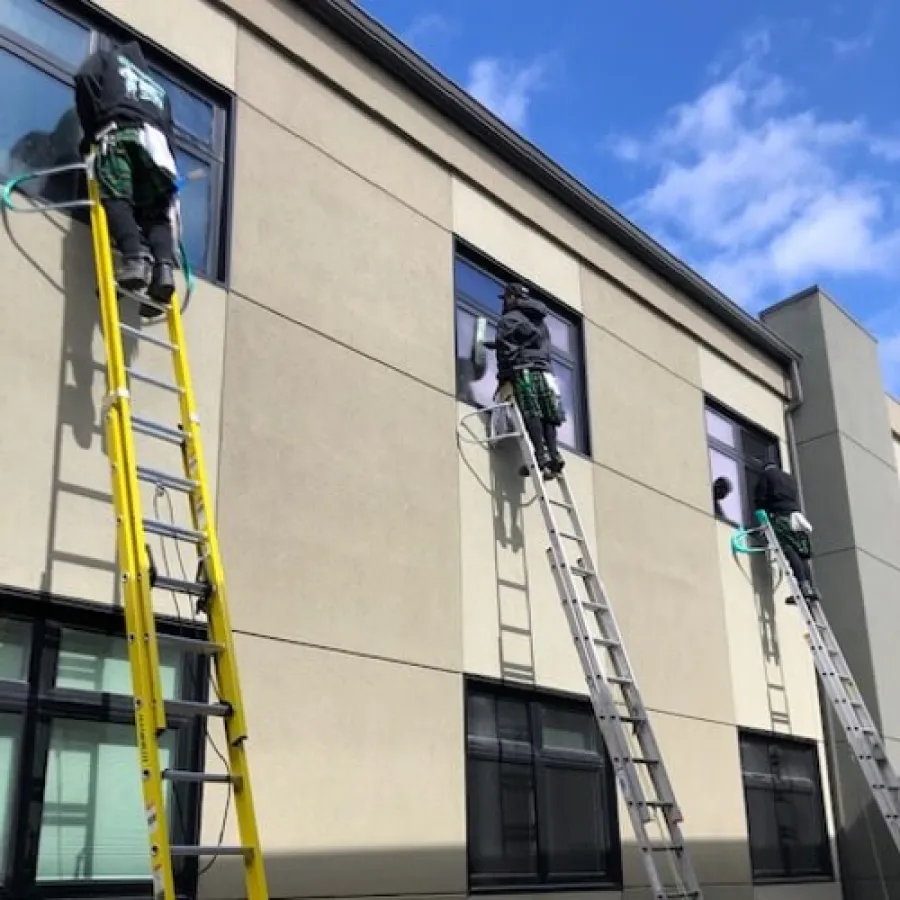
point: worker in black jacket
(127, 114)
(777, 493)
(524, 372)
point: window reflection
(195, 207)
(38, 129)
(47, 29)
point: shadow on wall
(441, 872)
(78, 422)
(509, 495)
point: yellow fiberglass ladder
(138, 575)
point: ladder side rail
(608, 718)
(607, 622)
(599, 689)
(119, 396)
(833, 669)
(203, 515)
(138, 634)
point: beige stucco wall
(372, 558)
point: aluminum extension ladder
(838, 683)
(621, 716)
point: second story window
(476, 287)
(42, 45)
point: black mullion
(32, 766)
(14, 44)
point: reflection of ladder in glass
(621, 716)
(139, 577)
(838, 683)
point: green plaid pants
(797, 540)
(536, 399)
(126, 171)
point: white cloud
(765, 197)
(506, 88)
(428, 27)
(852, 46)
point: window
(541, 793)
(41, 47)
(477, 285)
(71, 811)
(785, 809)
(738, 452)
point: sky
(759, 142)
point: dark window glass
(40, 51)
(477, 289)
(541, 793)
(47, 29)
(192, 114)
(785, 809)
(72, 821)
(738, 452)
(38, 128)
(195, 206)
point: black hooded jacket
(776, 492)
(116, 86)
(523, 339)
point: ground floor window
(541, 792)
(785, 808)
(71, 812)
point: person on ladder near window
(128, 115)
(524, 373)
(777, 493)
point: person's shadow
(82, 357)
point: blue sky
(759, 142)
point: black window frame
(574, 361)
(218, 154)
(749, 463)
(780, 789)
(38, 703)
(542, 759)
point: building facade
(419, 724)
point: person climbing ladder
(778, 495)
(128, 115)
(524, 373)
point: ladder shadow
(79, 423)
(507, 490)
(514, 613)
(764, 586)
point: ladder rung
(142, 335)
(196, 777)
(154, 429)
(644, 761)
(616, 679)
(176, 532)
(164, 479)
(194, 588)
(151, 379)
(581, 572)
(570, 536)
(189, 644)
(141, 299)
(633, 720)
(590, 606)
(192, 708)
(605, 642)
(666, 848)
(199, 850)
(560, 503)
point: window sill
(513, 887)
(792, 880)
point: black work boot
(808, 591)
(133, 272)
(163, 284)
(556, 459)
